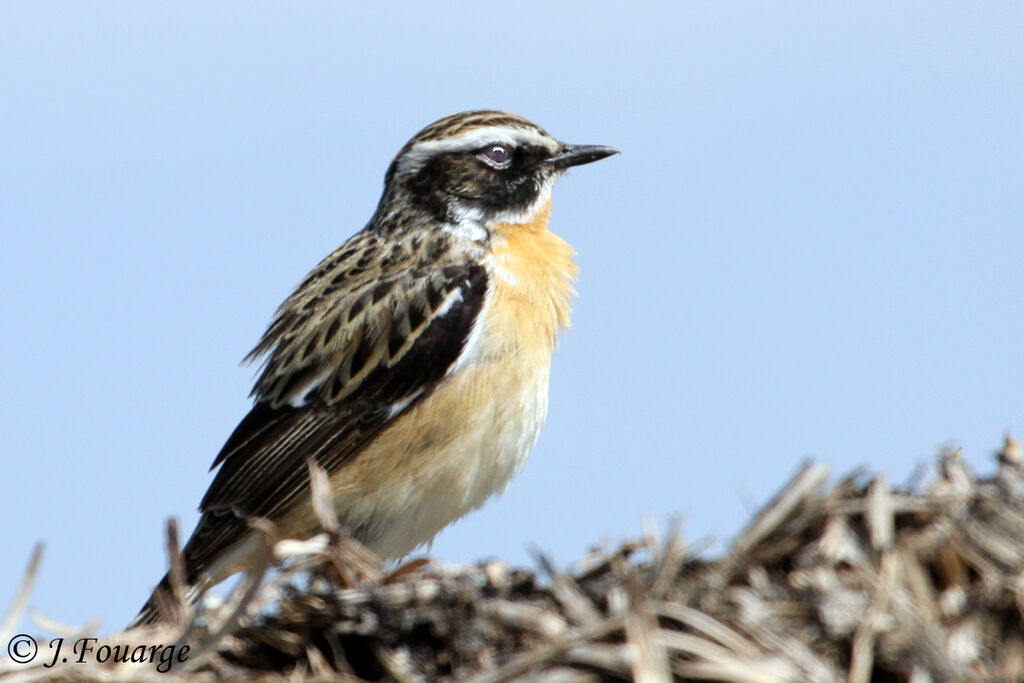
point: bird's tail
(205, 561)
(164, 605)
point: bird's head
(478, 168)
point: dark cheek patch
(478, 185)
(510, 193)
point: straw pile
(856, 581)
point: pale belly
(444, 457)
(438, 462)
(467, 442)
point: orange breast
(533, 274)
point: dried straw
(855, 582)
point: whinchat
(412, 363)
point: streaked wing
(362, 339)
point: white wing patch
(398, 406)
(301, 396)
(471, 347)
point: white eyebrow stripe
(470, 140)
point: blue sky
(810, 245)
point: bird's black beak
(576, 155)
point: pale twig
(17, 608)
(547, 652)
(567, 593)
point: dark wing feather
(342, 364)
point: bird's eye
(498, 156)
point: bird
(411, 364)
